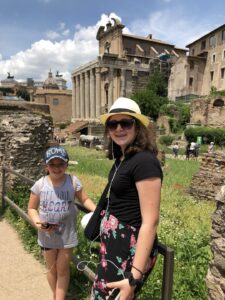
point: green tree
(6, 91)
(179, 114)
(184, 113)
(214, 92)
(158, 84)
(23, 93)
(153, 96)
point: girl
(52, 210)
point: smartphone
(47, 225)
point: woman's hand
(126, 291)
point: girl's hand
(46, 227)
(126, 291)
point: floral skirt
(117, 250)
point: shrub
(217, 135)
(166, 140)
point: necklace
(117, 168)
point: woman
(128, 248)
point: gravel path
(21, 275)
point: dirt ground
(22, 277)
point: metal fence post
(3, 188)
(168, 268)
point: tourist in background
(192, 149)
(211, 147)
(187, 150)
(175, 149)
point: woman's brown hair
(144, 140)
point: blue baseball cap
(56, 152)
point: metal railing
(166, 252)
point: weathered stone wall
(24, 133)
(163, 122)
(207, 183)
(211, 176)
(207, 112)
(216, 272)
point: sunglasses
(124, 124)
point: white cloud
(64, 55)
(59, 33)
(52, 35)
(56, 53)
(66, 32)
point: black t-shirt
(123, 200)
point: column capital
(97, 70)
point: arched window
(218, 103)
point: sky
(37, 36)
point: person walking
(175, 149)
(211, 148)
(192, 149)
(52, 211)
(128, 233)
(187, 150)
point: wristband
(132, 280)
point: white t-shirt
(57, 206)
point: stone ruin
(211, 176)
(25, 129)
(216, 272)
(207, 183)
(208, 111)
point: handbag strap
(110, 185)
(104, 200)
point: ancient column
(111, 100)
(98, 91)
(82, 113)
(77, 89)
(87, 95)
(92, 94)
(73, 98)
(123, 83)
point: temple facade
(123, 66)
